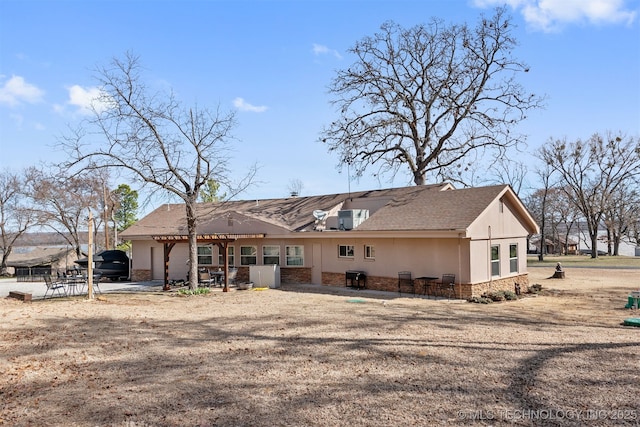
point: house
(478, 234)
(38, 253)
(30, 263)
(558, 245)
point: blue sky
(273, 60)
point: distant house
(30, 263)
(477, 234)
(35, 254)
(559, 245)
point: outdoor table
(218, 276)
(428, 281)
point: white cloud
(319, 49)
(86, 99)
(16, 90)
(242, 105)
(550, 15)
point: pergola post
(167, 251)
(224, 245)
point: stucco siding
(497, 221)
(481, 258)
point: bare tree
(508, 171)
(620, 215)
(429, 98)
(63, 203)
(592, 172)
(295, 187)
(155, 140)
(537, 202)
(15, 216)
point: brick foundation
(141, 275)
(376, 283)
(461, 290)
(288, 275)
(295, 275)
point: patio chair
(448, 284)
(205, 279)
(54, 286)
(233, 273)
(405, 281)
(96, 282)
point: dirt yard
(335, 358)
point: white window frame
(495, 262)
(267, 259)
(204, 252)
(294, 255)
(369, 252)
(245, 259)
(230, 256)
(513, 260)
(346, 251)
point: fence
(32, 274)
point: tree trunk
(594, 243)
(616, 244)
(193, 245)
(3, 263)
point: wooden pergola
(222, 240)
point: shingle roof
(442, 210)
(427, 207)
(35, 256)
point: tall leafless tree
(508, 171)
(63, 202)
(152, 138)
(537, 203)
(295, 187)
(592, 172)
(431, 98)
(621, 214)
(16, 216)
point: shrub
(480, 300)
(495, 296)
(535, 288)
(199, 291)
(510, 296)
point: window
(271, 255)
(345, 251)
(369, 252)
(495, 260)
(294, 255)
(230, 254)
(513, 258)
(248, 255)
(205, 255)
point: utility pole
(105, 211)
(90, 259)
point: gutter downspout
(489, 252)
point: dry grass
(282, 357)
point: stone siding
(505, 284)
